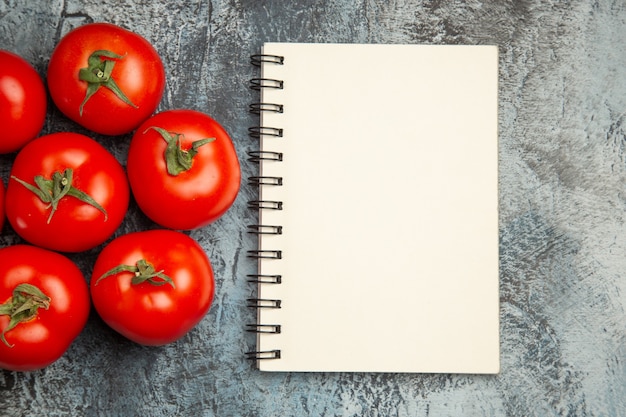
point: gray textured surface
(562, 204)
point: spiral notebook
(378, 208)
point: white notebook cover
(390, 209)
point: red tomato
(59, 306)
(106, 78)
(22, 102)
(66, 192)
(152, 286)
(198, 184)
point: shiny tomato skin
(196, 197)
(145, 313)
(75, 226)
(23, 102)
(42, 340)
(139, 73)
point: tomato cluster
(67, 193)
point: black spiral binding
(264, 328)
(261, 107)
(262, 181)
(265, 181)
(258, 59)
(258, 131)
(257, 156)
(265, 229)
(260, 83)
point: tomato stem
(26, 300)
(53, 190)
(143, 271)
(177, 159)
(98, 73)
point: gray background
(562, 201)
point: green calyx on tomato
(143, 272)
(53, 190)
(178, 159)
(26, 300)
(98, 74)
